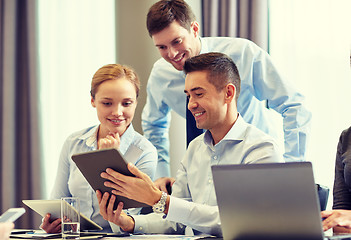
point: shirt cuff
(140, 224)
(178, 210)
(115, 228)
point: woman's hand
(112, 140)
(51, 227)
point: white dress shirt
(193, 201)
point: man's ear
(230, 92)
(92, 102)
(195, 28)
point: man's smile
(180, 58)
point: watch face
(159, 209)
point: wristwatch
(160, 206)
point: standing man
(212, 86)
(175, 32)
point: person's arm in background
(5, 230)
(282, 96)
(341, 190)
(155, 124)
(340, 217)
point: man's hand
(117, 216)
(51, 227)
(5, 230)
(112, 140)
(339, 220)
(139, 188)
(165, 184)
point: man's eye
(107, 103)
(198, 94)
(161, 47)
(178, 41)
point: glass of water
(70, 217)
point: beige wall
(135, 48)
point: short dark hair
(221, 68)
(164, 12)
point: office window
(310, 43)
(75, 39)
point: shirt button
(210, 181)
(215, 157)
(140, 228)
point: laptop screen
(268, 201)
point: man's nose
(172, 52)
(192, 104)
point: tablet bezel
(93, 163)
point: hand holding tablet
(93, 163)
(54, 208)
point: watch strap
(160, 206)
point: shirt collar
(90, 138)
(204, 47)
(236, 133)
(127, 138)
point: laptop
(272, 201)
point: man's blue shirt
(260, 81)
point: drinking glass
(70, 217)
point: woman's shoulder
(82, 135)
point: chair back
(323, 194)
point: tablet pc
(12, 214)
(91, 164)
(54, 208)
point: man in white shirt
(212, 86)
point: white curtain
(310, 43)
(75, 39)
